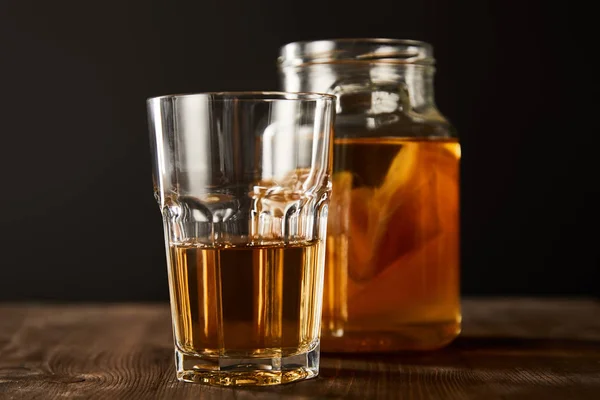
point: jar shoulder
(427, 123)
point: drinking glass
(243, 183)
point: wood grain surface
(509, 349)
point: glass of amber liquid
(392, 268)
(243, 183)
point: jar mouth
(356, 50)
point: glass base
(232, 371)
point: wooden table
(509, 349)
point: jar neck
(413, 84)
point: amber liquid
(246, 301)
(392, 264)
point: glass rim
(250, 95)
(356, 50)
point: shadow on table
(486, 368)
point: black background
(78, 217)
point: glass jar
(392, 268)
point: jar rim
(356, 50)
